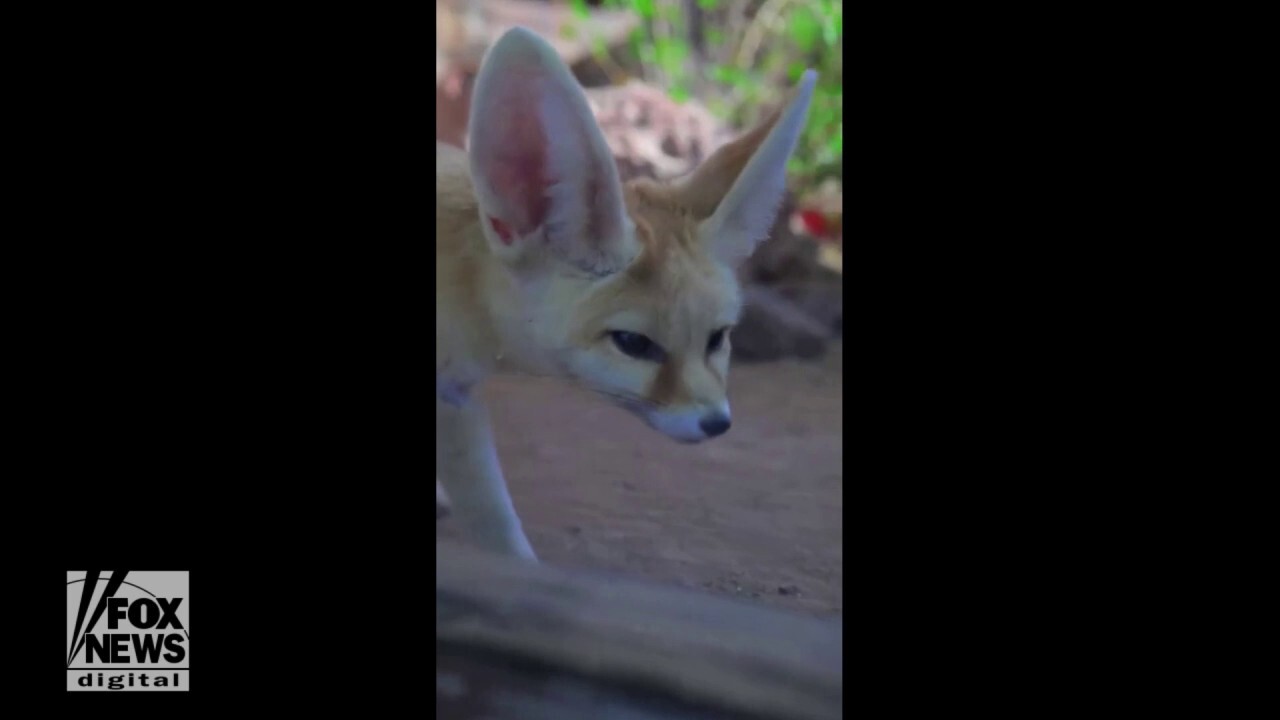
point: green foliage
(748, 56)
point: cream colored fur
(543, 258)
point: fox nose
(716, 424)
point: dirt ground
(754, 514)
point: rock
(783, 256)
(820, 296)
(773, 327)
(652, 135)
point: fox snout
(692, 425)
(715, 424)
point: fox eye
(637, 346)
(717, 339)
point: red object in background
(821, 226)
(815, 223)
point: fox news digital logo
(128, 634)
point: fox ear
(542, 171)
(738, 189)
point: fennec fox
(547, 264)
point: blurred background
(757, 513)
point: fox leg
(467, 466)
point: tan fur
(674, 283)
(708, 184)
(466, 339)
(543, 259)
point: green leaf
(728, 75)
(707, 4)
(670, 55)
(579, 8)
(644, 8)
(679, 93)
(805, 28)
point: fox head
(631, 289)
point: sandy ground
(755, 514)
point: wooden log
(523, 640)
